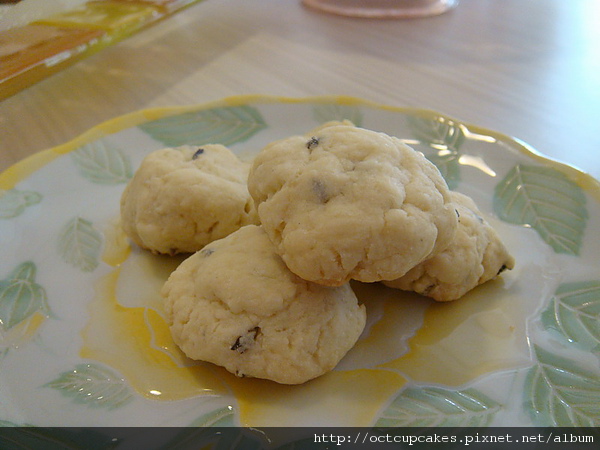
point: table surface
(527, 69)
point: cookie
(343, 202)
(182, 198)
(236, 304)
(475, 256)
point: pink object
(382, 9)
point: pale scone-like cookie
(475, 256)
(182, 198)
(343, 202)
(236, 304)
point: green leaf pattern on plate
(334, 111)
(21, 297)
(546, 200)
(558, 392)
(93, 385)
(13, 202)
(102, 163)
(439, 131)
(562, 394)
(226, 126)
(574, 312)
(438, 407)
(444, 137)
(79, 244)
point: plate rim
(22, 169)
(515, 148)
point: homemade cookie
(475, 256)
(182, 198)
(344, 203)
(236, 304)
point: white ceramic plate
(83, 341)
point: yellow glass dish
(113, 17)
(35, 51)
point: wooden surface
(528, 69)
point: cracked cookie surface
(182, 198)
(476, 255)
(343, 202)
(236, 304)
